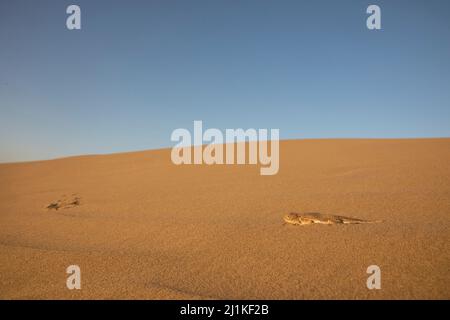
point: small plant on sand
(53, 205)
(75, 202)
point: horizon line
(193, 145)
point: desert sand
(140, 227)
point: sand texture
(140, 227)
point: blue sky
(137, 70)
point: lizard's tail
(362, 221)
(372, 221)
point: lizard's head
(298, 219)
(291, 218)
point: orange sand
(146, 228)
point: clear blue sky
(137, 70)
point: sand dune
(140, 227)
